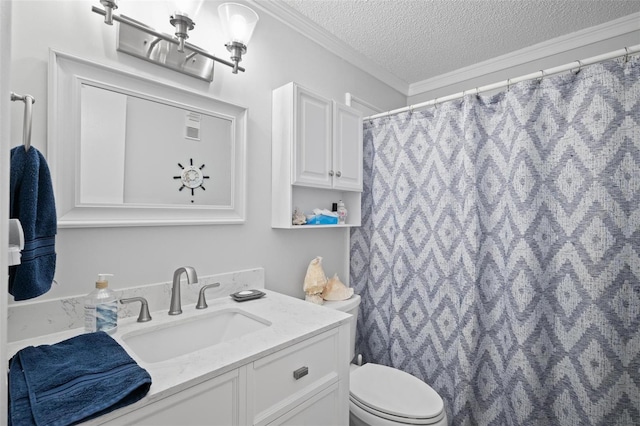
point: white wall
(6, 113)
(142, 255)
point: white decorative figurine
(336, 290)
(314, 281)
(298, 217)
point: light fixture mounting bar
(168, 38)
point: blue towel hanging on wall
(33, 203)
(73, 381)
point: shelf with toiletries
(306, 199)
(316, 157)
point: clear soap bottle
(342, 213)
(101, 308)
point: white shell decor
(298, 217)
(336, 290)
(314, 298)
(315, 279)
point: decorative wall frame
(67, 76)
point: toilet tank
(349, 306)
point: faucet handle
(202, 301)
(144, 315)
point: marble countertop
(292, 320)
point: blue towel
(73, 381)
(32, 202)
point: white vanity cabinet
(303, 383)
(316, 155)
(217, 402)
(289, 383)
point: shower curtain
(499, 256)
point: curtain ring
(508, 84)
(477, 91)
(410, 110)
(579, 67)
(626, 55)
(435, 103)
(541, 76)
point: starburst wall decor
(191, 177)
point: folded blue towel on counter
(72, 381)
(33, 203)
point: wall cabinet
(305, 383)
(316, 155)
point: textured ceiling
(416, 40)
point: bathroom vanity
(291, 367)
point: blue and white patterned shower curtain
(499, 257)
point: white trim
(574, 66)
(349, 99)
(316, 33)
(538, 51)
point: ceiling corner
(558, 45)
(319, 35)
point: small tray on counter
(241, 296)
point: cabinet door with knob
(312, 164)
(305, 374)
(347, 148)
(316, 157)
(328, 143)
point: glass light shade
(238, 22)
(189, 8)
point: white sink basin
(192, 334)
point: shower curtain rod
(506, 83)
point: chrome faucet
(202, 300)
(175, 308)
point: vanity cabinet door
(320, 410)
(291, 377)
(218, 402)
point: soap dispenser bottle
(101, 308)
(342, 213)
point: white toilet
(384, 396)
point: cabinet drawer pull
(338, 174)
(330, 172)
(300, 373)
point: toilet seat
(392, 394)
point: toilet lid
(394, 392)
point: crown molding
(558, 45)
(319, 35)
(617, 27)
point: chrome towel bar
(28, 108)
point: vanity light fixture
(137, 39)
(238, 22)
(182, 19)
